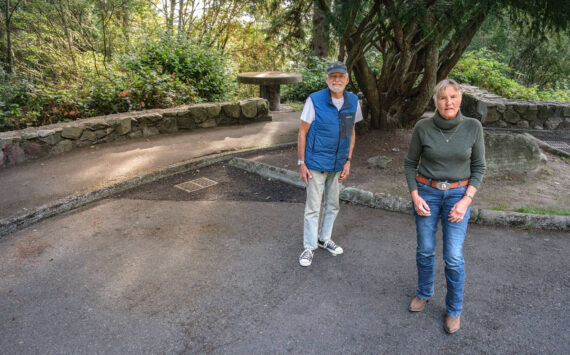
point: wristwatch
(300, 162)
(469, 195)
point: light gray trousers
(320, 184)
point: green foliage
(536, 60)
(482, 69)
(203, 68)
(313, 70)
(136, 91)
(23, 104)
(547, 211)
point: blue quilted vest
(328, 140)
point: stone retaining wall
(496, 111)
(32, 143)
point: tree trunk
(367, 83)
(319, 45)
(170, 22)
(9, 58)
(181, 7)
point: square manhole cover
(195, 185)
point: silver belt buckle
(443, 186)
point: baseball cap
(336, 67)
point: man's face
(336, 82)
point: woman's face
(448, 103)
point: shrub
(123, 93)
(313, 71)
(203, 68)
(482, 69)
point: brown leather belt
(441, 185)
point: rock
(43, 133)
(262, 108)
(545, 112)
(565, 124)
(501, 108)
(492, 115)
(123, 126)
(231, 110)
(135, 135)
(204, 112)
(62, 147)
(72, 132)
(95, 126)
(510, 154)
(552, 123)
(13, 153)
(88, 135)
(395, 149)
(100, 133)
(520, 108)
(186, 122)
(27, 136)
(149, 131)
(248, 108)
(176, 112)
(33, 150)
(208, 124)
(523, 124)
(511, 116)
(168, 125)
(50, 137)
(149, 119)
(566, 111)
(380, 161)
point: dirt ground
(549, 186)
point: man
(325, 144)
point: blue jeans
(320, 184)
(440, 204)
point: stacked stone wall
(497, 112)
(32, 143)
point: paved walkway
(36, 183)
(128, 275)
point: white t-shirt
(308, 114)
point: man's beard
(336, 89)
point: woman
(444, 168)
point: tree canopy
(65, 59)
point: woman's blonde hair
(442, 85)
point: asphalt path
(172, 274)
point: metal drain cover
(195, 185)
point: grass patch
(540, 210)
(297, 105)
(500, 207)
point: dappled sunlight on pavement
(36, 183)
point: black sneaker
(331, 247)
(306, 257)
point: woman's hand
(459, 209)
(420, 204)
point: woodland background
(63, 60)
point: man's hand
(305, 174)
(345, 171)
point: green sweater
(450, 150)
